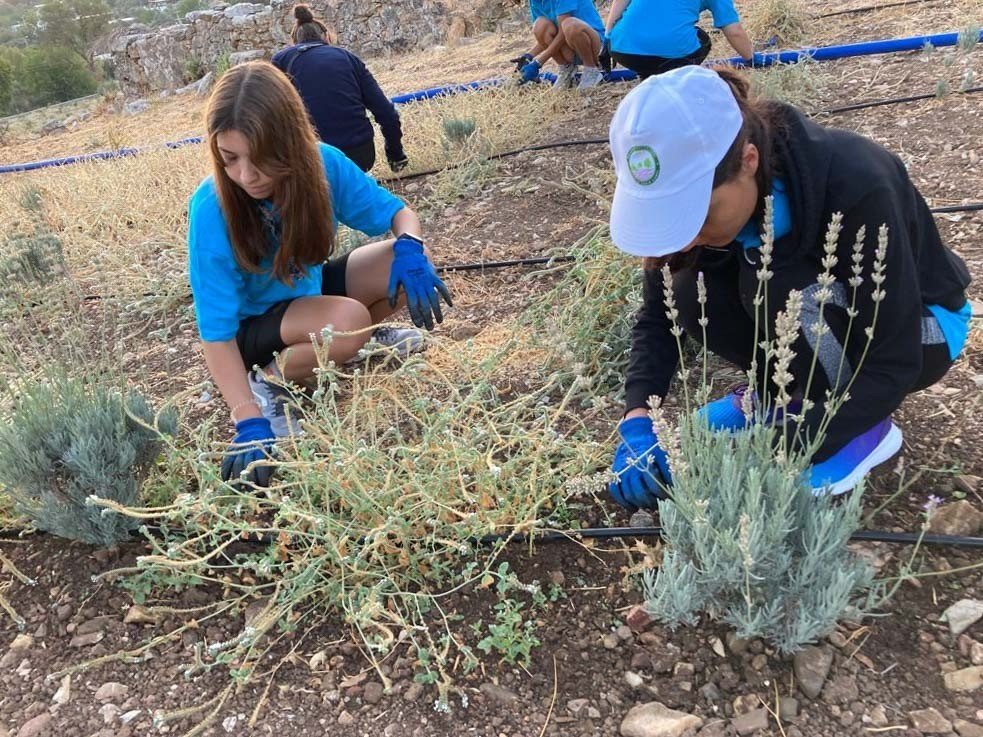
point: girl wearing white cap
(696, 157)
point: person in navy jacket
(337, 89)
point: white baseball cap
(667, 137)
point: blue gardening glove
(604, 58)
(530, 71)
(640, 465)
(253, 442)
(521, 60)
(416, 275)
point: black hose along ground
(599, 141)
(871, 8)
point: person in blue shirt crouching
(570, 32)
(261, 230)
(337, 89)
(655, 36)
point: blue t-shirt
(954, 326)
(581, 9)
(750, 235)
(666, 28)
(224, 293)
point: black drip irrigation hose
(617, 533)
(550, 260)
(892, 101)
(604, 141)
(872, 8)
(620, 533)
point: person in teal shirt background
(654, 36)
(570, 32)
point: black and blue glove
(604, 58)
(253, 442)
(413, 272)
(530, 71)
(640, 466)
(521, 60)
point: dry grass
(530, 110)
(787, 21)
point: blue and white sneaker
(273, 400)
(727, 413)
(842, 471)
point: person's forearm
(406, 221)
(737, 37)
(225, 364)
(614, 14)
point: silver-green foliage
(68, 439)
(748, 543)
(746, 540)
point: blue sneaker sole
(888, 447)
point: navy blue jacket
(337, 88)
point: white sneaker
(273, 400)
(590, 77)
(564, 77)
(405, 341)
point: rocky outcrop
(172, 57)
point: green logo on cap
(643, 164)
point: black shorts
(648, 66)
(259, 337)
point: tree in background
(187, 6)
(73, 24)
(34, 77)
(6, 83)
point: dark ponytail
(762, 126)
(307, 28)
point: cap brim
(659, 226)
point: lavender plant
(747, 543)
(67, 440)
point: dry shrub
(787, 21)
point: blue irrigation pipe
(818, 53)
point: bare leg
(582, 39)
(309, 316)
(545, 32)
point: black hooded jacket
(826, 171)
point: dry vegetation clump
(377, 512)
(788, 22)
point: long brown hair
(307, 28)
(257, 100)
(762, 125)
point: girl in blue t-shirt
(654, 36)
(261, 230)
